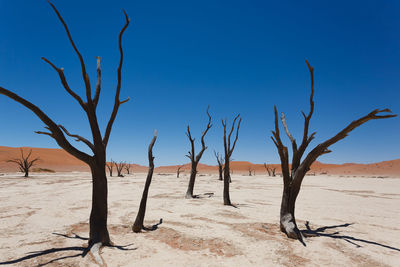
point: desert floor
(44, 221)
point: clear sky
(180, 56)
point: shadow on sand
(153, 227)
(336, 235)
(83, 251)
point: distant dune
(50, 158)
(59, 160)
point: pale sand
(202, 232)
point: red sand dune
(59, 160)
(50, 158)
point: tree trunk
(287, 218)
(189, 192)
(26, 173)
(98, 214)
(227, 179)
(220, 172)
(138, 224)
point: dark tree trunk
(189, 192)
(220, 172)
(287, 216)
(98, 215)
(227, 180)
(26, 173)
(138, 224)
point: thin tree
(178, 171)
(293, 178)
(97, 162)
(250, 170)
(128, 168)
(220, 161)
(138, 224)
(120, 167)
(110, 167)
(196, 158)
(228, 150)
(24, 162)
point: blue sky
(180, 56)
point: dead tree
(178, 171)
(120, 167)
(127, 167)
(292, 179)
(97, 162)
(250, 170)
(138, 224)
(24, 162)
(267, 169)
(270, 170)
(110, 167)
(220, 161)
(195, 159)
(228, 149)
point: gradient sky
(180, 56)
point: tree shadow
(83, 251)
(336, 235)
(153, 227)
(74, 236)
(35, 254)
(204, 195)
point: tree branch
(98, 84)
(78, 138)
(203, 145)
(56, 133)
(84, 74)
(306, 139)
(124, 101)
(237, 135)
(282, 150)
(64, 82)
(117, 103)
(322, 148)
(230, 133)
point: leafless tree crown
(293, 178)
(24, 162)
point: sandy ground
(43, 221)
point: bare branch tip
(126, 16)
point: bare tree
(270, 170)
(127, 167)
(97, 162)
(178, 171)
(228, 149)
(110, 167)
(138, 224)
(292, 179)
(24, 162)
(250, 170)
(195, 159)
(120, 167)
(220, 161)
